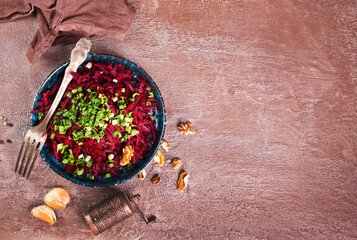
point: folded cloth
(66, 21)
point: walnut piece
(182, 181)
(165, 145)
(156, 179)
(176, 163)
(128, 154)
(159, 158)
(142, 175)
(186, 128)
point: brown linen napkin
(66, 21)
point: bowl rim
(135, 171)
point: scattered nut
(4, 118)
(1, 118)
(156, 179)
(44, 213)
(165, 145)
(57, 198)
(8, 141)
(186, 128)
(159, 158)
(176, 163)
(128, 154)
(2, 141)
(4, 123)
(182, 181)
(142, 175)
(10, 124)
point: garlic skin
(44, 213)
(57, 198)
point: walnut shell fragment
(182, 181)
(159, 158)
(156, 179)
(176, 163)
(165, 145)
(186, 128)
(128, 153)
(142, 175)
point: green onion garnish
(79, 171)
(52, 135)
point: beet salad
(104, 123)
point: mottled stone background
(270, 87)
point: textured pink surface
(270, 87)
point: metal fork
(35, 138)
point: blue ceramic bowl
(160, 122)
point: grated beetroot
(99, 78)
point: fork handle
(78, 55)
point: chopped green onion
(69, 95)
(79, 171)
(151, 94)
(40, 115)
(123, 90)
(117, 133)
(108, 175)
(90, 176)
(61, 130)
(153, 117)
(133, 97)
(148, 103)
(128, 128)
(52, 135)
(122, 106)
(110, 165)
(134, 132)
(59, 146)
(89, 163)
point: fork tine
(33, 148)
(34, 159)
(28, 144)
(20, 153)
